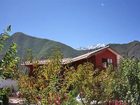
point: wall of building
(106, 54)
(95, 59)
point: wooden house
(100, 58)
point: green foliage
(4, 95)
(28, 55)
(55, 84)
(41, 48)
(43, 85)
(128, 83)
(47, 85)
(104, 83)
(4, 91)
(3, 37)
(131, 49)
(91, 84)
(81, 79)
(8, 63)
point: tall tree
(128, 82)
(92, 85)
(8, 62)
(45, 84)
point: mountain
(95, 46)
(41, 48)
(131, 49)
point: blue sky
(78, 23)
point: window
(109, 61)
(106, 62)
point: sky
(77, 23)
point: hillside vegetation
(43, 48)
(131, 49)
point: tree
(57, 84)
(45, 85)
(128, 83)
(92, 85)
(8, 63)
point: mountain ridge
(42, 48)
(131, 49)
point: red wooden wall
(105, 54)
(96, 59)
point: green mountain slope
(131, 49)
(41, 48)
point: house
(100, 58)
